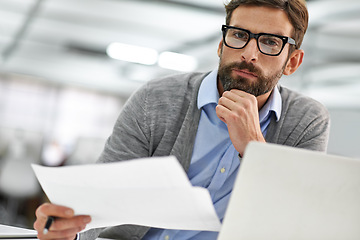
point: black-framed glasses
(268, 44)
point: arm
(130, 137)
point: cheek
(227, 56)
(273, 65)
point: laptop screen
(289, 193)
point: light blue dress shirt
(215, 162)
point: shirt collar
(208, 93)
(273, 104)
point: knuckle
(43, 209)
(253, 99)
(247, 102)
(46, 206)
(39, 210)
(218, 108)
(232, 117)
(226, 93)
(221, 100)
(250, 103)
(37, 225)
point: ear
(219, 51)
(294, 61)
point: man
(207, 120)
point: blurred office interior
(65, 73)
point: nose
(250, 52)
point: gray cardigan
(162, 118)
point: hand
(239, 110)
(65, 226)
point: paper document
(7, 232)
(152, 192)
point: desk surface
(11, 232)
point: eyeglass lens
(268, 44)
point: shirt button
(167, 237)
(222, 170)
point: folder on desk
(288, 193)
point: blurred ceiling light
(149, 56)
(131, 53)
(177, 61)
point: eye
(271, 41)
(241, 35)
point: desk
(10, 232)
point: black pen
(48, 223)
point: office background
(65, 75)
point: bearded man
(206, 120)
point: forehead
(262, 19)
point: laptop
(289, 193)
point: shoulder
(301, 105)
(304, 122)
(176, 83)
(170, 90)
(168, 87)
(167, 97)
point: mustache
(244, 65)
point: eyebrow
(276, 33)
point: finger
(64, 218)
(239, 96)
(229, 95)
(227, 101)
(238, 108)
(222, 112)
(233, 100)
(234, 95)
(49, 209)
(63, 234)
(241, 93)
(64, 227)
(68, 223)
(45, 210)
(64, 224)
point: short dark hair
(295, 10)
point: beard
(260, 86)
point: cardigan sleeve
(130, 136)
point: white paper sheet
(152, 192)
(16, 232)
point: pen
(48, 223)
